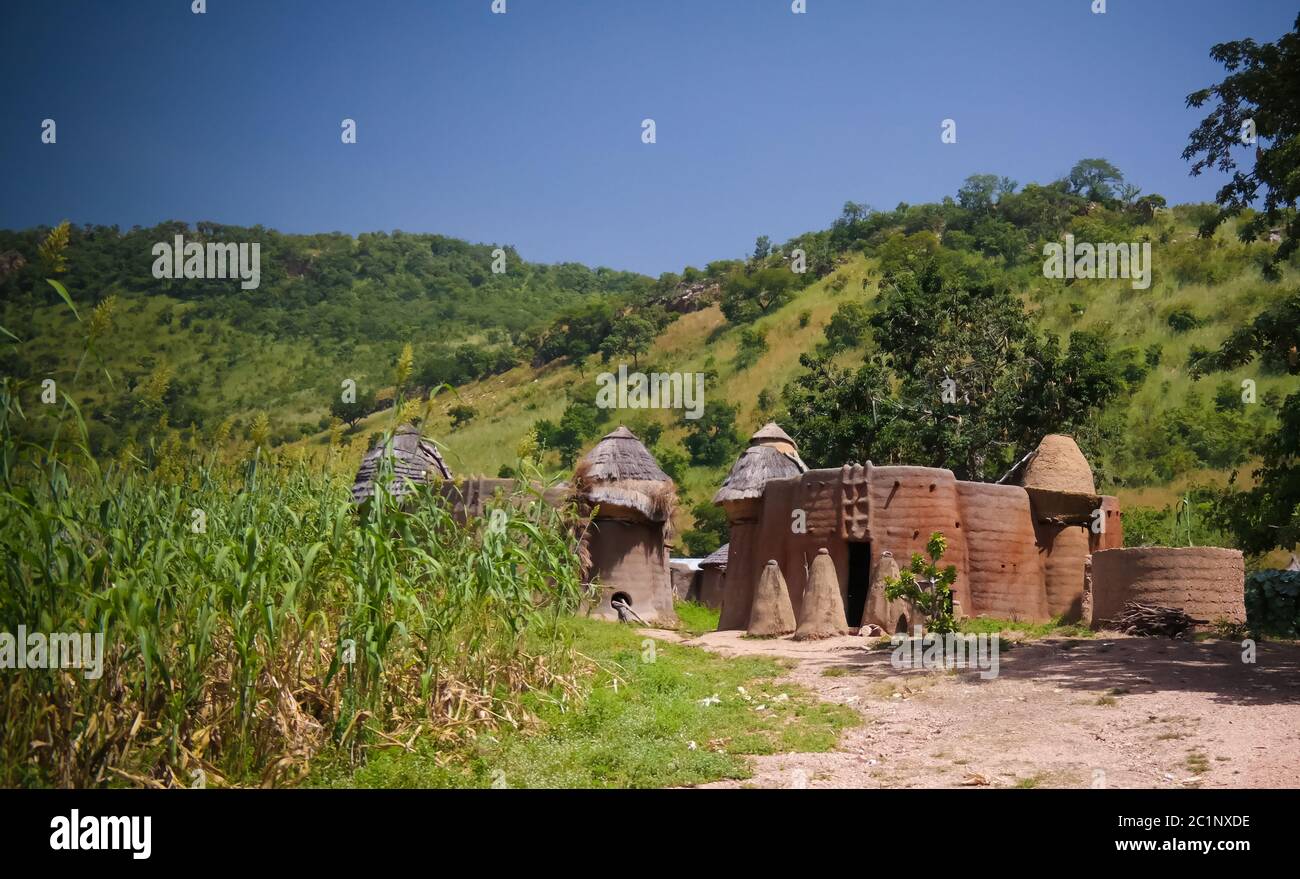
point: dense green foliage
(964, 382)
(1273, 603)
(328, 307)
(1257, 111)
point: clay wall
(1003, 564)
(1207, 583)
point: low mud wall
(1207, 583)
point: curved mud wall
(907, 504)
(1063, 550)
(630, 557)
(1002, 565)
(1207, 583)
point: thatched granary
(713, 577)
(631, 500)
(1019, 550)
(415, 460)
(771, 455)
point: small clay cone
(822, 608)
(772, 613)
(878, 608)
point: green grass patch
(696, 619)
(1056, 627)
(656, 715)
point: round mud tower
(1205, 582)
(822, 606)
(771, 613)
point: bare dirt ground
(1107, 711)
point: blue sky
(525, 128)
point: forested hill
(328, 307)
(846, 335)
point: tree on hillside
(352, 412)
(1267, 515)
(748, 295)
(1258, 98)
(981, 192)
(1095, 179)
(966, 383)
(713, 440)
(631, 336)
(1260, 92)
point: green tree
(927, 588)
(351, 413)
(1267, 515)
(710, 530)
(1095, 179)
(712, 440)
(966, 383)
(747, 296)
(1259, 93)
(631, 336)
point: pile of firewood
(1153, 620)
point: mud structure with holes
(1020, 546)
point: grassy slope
(638, 733)
(509, 404)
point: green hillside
(522, 350)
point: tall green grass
(252, 618)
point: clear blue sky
(524, 128)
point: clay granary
(1019, 545)
(631, 501)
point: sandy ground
(1101, 712)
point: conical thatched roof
(718, 558)
(415, 460)
(771, 455)
(619, 473)
(1058, 465)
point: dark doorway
(859, 581)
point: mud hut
(1019, 550)
(713, 578)
(771, 454)
(415, 461)
(630, 501)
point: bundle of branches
(1151, 620)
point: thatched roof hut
(634, 501)
(771, 455)
(716, 559)
(621, 476)
(415, 460)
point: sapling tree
(927, 588)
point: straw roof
(619, 473)
(718, 558)
(1058, 465)
(771, 455)
(415, 460)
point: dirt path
(1112, 711)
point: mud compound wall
(1003, 564)
(908, 504)
(1207, 583)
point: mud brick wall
(1003, 565)
(1207, 583)
(907, 505)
